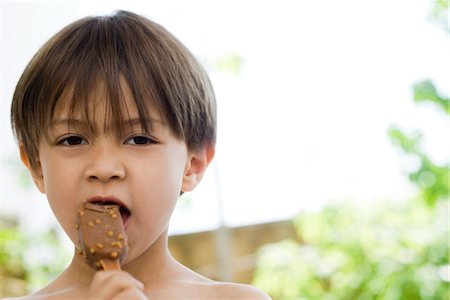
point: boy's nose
(105, 166)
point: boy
(116, 109)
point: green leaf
(425, 91)
(408, 143)
(380, 250)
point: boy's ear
(196, 166)
(38, 178)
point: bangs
(91, 102)
(96, 64)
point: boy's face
(144, 172)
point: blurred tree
(425, 91)
(431, 178)
(13, 274)
(28, 261)
(379, 251)
(231, 62)
(384, 251)
(439, 14)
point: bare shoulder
(46, 294)
(187, 284)
(24, 297)
(240, 291)
(209, 289)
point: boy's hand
(115, 285)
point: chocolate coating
(101, 234)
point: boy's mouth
(124, 211)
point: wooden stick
(110, 264)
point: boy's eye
(72, 141)
(140, 140)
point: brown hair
(154, 64)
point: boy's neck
(154, 265)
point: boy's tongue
(101, 235)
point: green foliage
(13, 274)
(439, 13)
(231, 62)
(382, 251)
(425, 91)
(431, 179)
(28, 262)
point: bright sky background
(303, 123)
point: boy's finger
(107, 284)
(130, 294)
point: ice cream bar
(101, 235)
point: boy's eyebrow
(132, 122)
(75, 122)
(137, 121)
